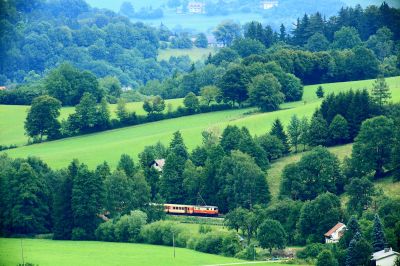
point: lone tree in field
(272, 235)
(378, 236)
(320, 92)
(265, 92)
(191, 102)
(154, 105)
(42, 118)
(380, 92)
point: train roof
(183, 205)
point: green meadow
(108, 146)
(194, 54)
(50, 252)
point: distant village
(200, 7)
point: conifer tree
(339, 130)
(320, 92)
(378, 236)
(358, 252)
(318, 132)
(380, 92)
(352, 228)
(278, 131)
(127, 165)
(294, 131)
(230, 138)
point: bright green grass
(50, 252)
(109, 145)
(194, 53)
(12, 118)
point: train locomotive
(179, 209)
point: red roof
(334, 229)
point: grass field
(194, 53)
(108, 146)
(12, 119)
(49, 252)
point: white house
(335, 233)
(268, 4)
(196, 7)
(385, 257)
(158, 164)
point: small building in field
(3, 88)
(196, 7)
(268, 4)
(335, 233)
(385, 257)
(158, 164)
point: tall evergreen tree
(278, 131)
(352, 227)
(177, 139)
(339, 130)
(318, 132)
(380, 92)
(230, 138)
(127, 165)
(378, 236)
(294, 131)
(358, 252)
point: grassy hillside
(49, 252)
(95, 148)
(274, 173)
(194, 53)
(12, 119)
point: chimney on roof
(387, 249)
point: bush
(160, 232)
(204, 229)
(218, 243)
(311, 251)
(105, 231)
(128, 227)
(78, 234)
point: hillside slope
(108, 146)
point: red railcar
(191, 209)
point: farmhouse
(335, 233)
(385, 257)
(268, 4)
(158, 164)
(197, 7)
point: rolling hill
(107, 146)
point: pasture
(108, 146)
(50, 252)
(194, 54)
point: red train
(191, 209)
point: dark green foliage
(247, 47)
(311, 250)
(360, 191)
(126, 165)
(68, 84)
(372, 152)
(265, 92)
(358, 252)
(318, 133)
(201, 41)
(318, 216)
(226, 32)
(278, 131)
(87, 200)
(378, 236)
(42, 118)
(352, 227)
(346, 38)
(271, 235)
(191, 102)
(320, 92)
(154, 105)
(315, 173)
(326, 258)
(248, 145)
(339, 130)
(128, 227)
(233, 85)
(243, 182)
(380, 93)
(63, 217)
(287, 212)
(230, 138)
(272, 146)
(294, 132)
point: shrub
(128, 227)
(218, 243)
(311, 250)
(105, 231)
(78, 234)
(204, 229)
(160, 232)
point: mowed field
(194, 53)
(108, 146)
(50, 252)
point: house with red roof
(335, 233)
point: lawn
(50, 252)
(194, 54)
(109, 145)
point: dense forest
(39, 35)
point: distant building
(268, 4)
(196, 7)
(158, 164)
(212, 42)
(3, 88)
(385, 257)
(336, 232)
